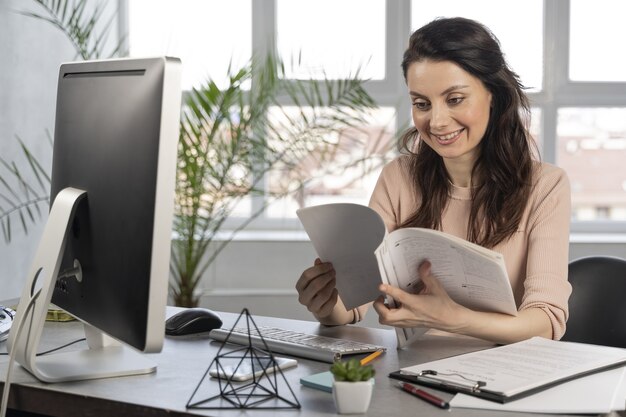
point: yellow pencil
(371, 357)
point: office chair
(597, 305)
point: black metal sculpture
(260, 393)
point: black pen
(436, 401)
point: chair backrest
(597, 305)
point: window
(332, 38)
(520, 33)
(205, 35)
(593, 57)
(567, 53)
(344, 181)
(592, 149)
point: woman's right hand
(316, 289)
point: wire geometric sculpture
(263, 389)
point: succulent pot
(352, 397)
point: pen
(436, 401)
(371, 357)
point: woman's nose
(439, 117)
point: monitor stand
(105, 357)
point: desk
(183, 361)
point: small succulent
(352, 371)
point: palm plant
(230, 140)
(21, 197)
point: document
(593, 394)
(514, 371)
(347, 235)
(473, 276)
(354, 239)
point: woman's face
(450, 109)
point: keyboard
(289, 342)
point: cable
(7, 380)
(53, 349)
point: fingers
(323, 303)
(379, 305)
(316, 288)
(394, 292)
(320, 269)
(431, 283)
(391, 316)
(320, 286)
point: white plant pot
(352, 397)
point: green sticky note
(322, 381)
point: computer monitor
(104, 254)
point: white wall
(31, 52)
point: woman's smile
(449, 138)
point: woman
(471, 174)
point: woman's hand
(316, 289)
(432, 307)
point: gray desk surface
(183, 361)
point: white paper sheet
(592, 394)
(619, 399)
(347, 235)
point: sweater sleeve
(546, 285)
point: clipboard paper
(510, 372)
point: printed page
(347, 235)
(405, 335)
(477, 280)
(588, 395)
(522, 366)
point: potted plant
(352, 386)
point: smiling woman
(451, 112)
(468, 170)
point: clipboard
(599, 358)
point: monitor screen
(107, 141)
(104, 252)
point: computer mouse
(192, 321)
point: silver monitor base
(105, 356)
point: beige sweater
(536, 256)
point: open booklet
(354, 239)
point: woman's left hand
(432, 307)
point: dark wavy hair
(502, 173)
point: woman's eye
(455, 100)
(420, 105)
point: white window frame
(557, 90)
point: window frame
(557, 90)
